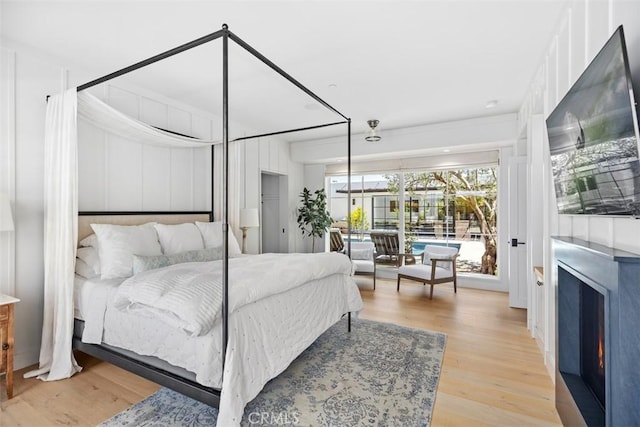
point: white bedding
(265, 335)
(90, 298)
(189, 295)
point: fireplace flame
(600, 354)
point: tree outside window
(469, 200)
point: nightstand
(6, 340)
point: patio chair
(362, 256)
(438, 266)
(336, 241)
(387, 248)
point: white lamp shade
(249, 218)
(6, 219)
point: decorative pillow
(91, 240)
(179, 238)
(143, 263)
(212, 236)
(362, 253)
(201, 255)
(83, 269)
(89, 256)
(439, 252)
(118, 243)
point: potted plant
(313, 217)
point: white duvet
(279, 305)
(189, 295)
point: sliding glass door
(447, 207)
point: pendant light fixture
(372, 137)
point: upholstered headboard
(85, 219)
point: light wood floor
(492, 373)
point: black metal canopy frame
(193, 389)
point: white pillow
(179, 238)
(362, 253)
(90, 240)
(83, 269)
(439, 252)
(212, 236)
(89, 255)
(118, 243)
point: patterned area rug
(379, 374)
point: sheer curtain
(61, 212)
(60, 237)
(113, 121)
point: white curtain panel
(60, 237)
(113, 121)
(61, 211)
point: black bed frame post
(349, 198)
(213, 181)
(225, 192)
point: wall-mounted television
(593, 139)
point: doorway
(275, 237)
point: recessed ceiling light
(491, 104)
(333, 85)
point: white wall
(275, 158)
(117, 174)
(584, 28)
(113, 175)
(26, 80)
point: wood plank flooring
(492, 375)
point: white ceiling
(405, 63)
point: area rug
(379, 374)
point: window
(453, 207)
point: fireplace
(597, 334)
(592, 346)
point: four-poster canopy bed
(335, 290)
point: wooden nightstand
(6, 340)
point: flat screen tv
(593, 139)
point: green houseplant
(313, 217)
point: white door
(517, 232)
(274, 213)
(270, 214)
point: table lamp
(248, 219)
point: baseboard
(476, 281)
(540, 343)
(550, 363)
